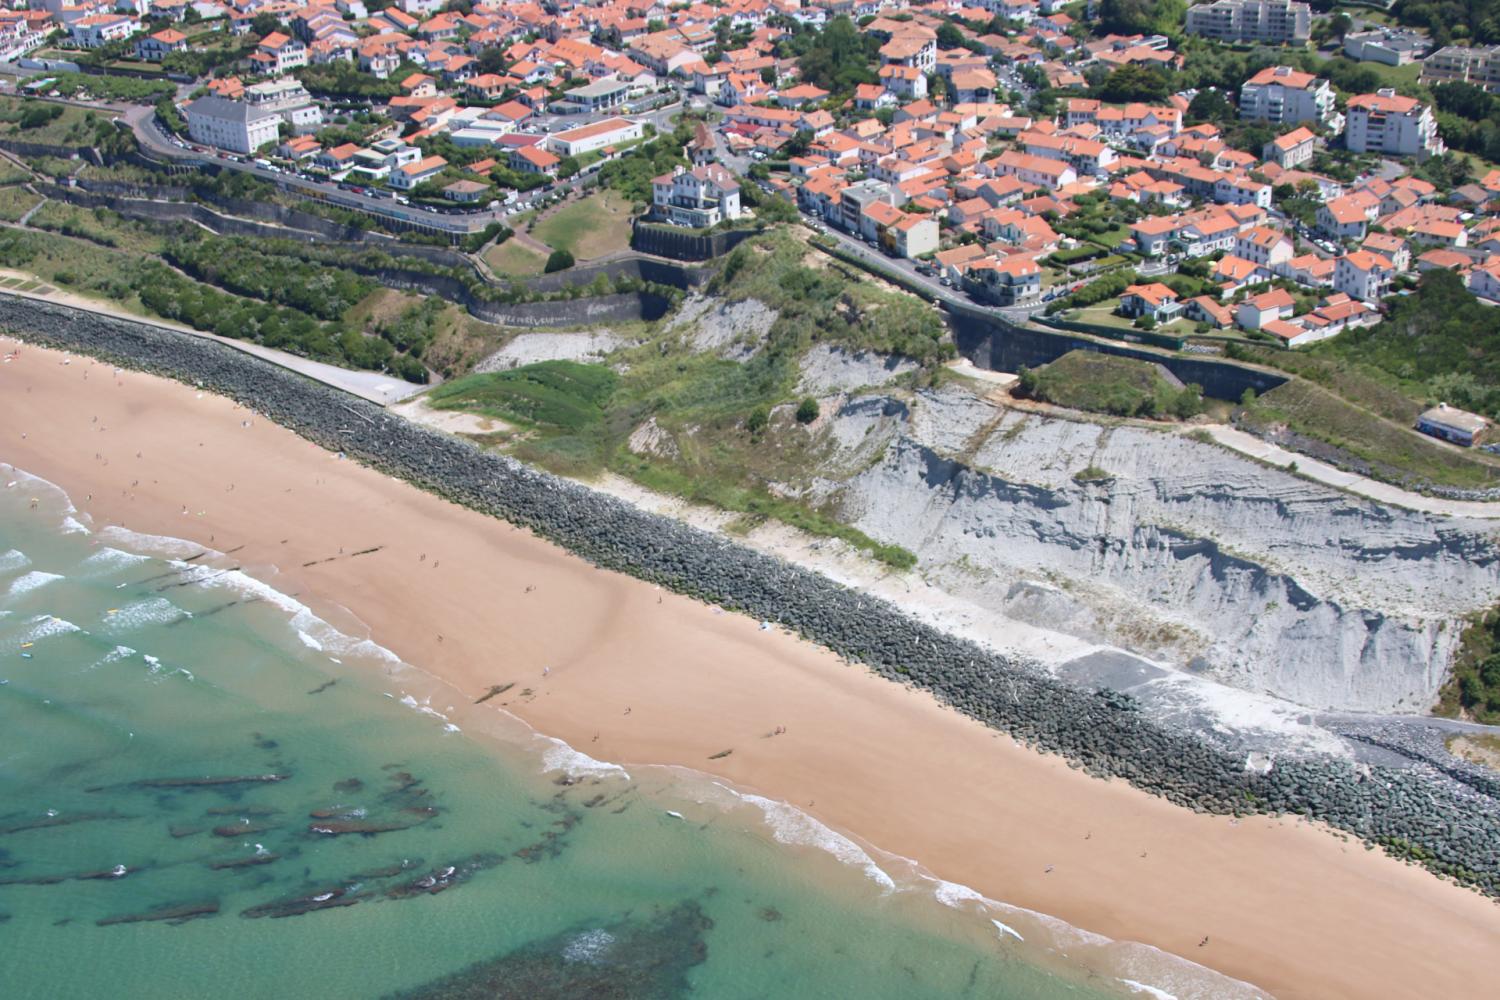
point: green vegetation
(558, 260)
(837, 58)
(113, 88)
(1440, 344)
(1474, 688)
(1388, 451)
(557, 395)
(807, 410)
(1465, 22)
(1104, 383)
(256, 269)
(1099, 290)
(1142, 17)
(830, 304)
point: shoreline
(1275, 895)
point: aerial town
(1026, 154)
(880, 498)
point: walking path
(1322, 472)
(377, 387)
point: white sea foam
(107, 559)
(590, 946)
(952, 894)
(113, 656)
(1005, 929)
(44, 627)
(1136, 987)
(309, 641)
(139, 614)
(791, 826)
(559, 756)
(28, 582)
(12, 560)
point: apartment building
(289, 100)
(1462, 64)
(232, 125)
(1363, 275)
(1385, 122)
(1278, 22)
(1288, 97)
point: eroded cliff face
(1168, 546)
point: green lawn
(1104, 383)
(564, 395)
(593, 227)
(513, 258)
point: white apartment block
(1384, 122)
(231, 125)
(1279, 22)
(289, 100)
(1286, 96)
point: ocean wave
(1152, 991)
(113, 656)
(791, 826)
(44, 627)
(28, 582)
(559, 756)
(107, 559)
(139, 614)
(12, 560)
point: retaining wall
(680, 244)
(989, 341)
(1455, 826)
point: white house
(1363, 275)
(100, 29)
(1258, 310)
(697, 198)
(407, 177)
(1269, 248)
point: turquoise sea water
(206, 791)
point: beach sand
(631, 674)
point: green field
(595, 226)
(514, 259)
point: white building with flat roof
(588, 138)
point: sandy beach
(630, 674)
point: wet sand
(631, 674)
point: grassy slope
(1103, 383)
(592, 227)
(702, 402)
(514, 259)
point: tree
(758, 419)
(264, 24)
(1135, 83)
(1210, 105)
(560, 260)
(776, 209)
(836, 58)
(807, 411)
(1142, 17)
(568, 166)
(948, 36)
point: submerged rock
(627, 960)
(171, 913)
